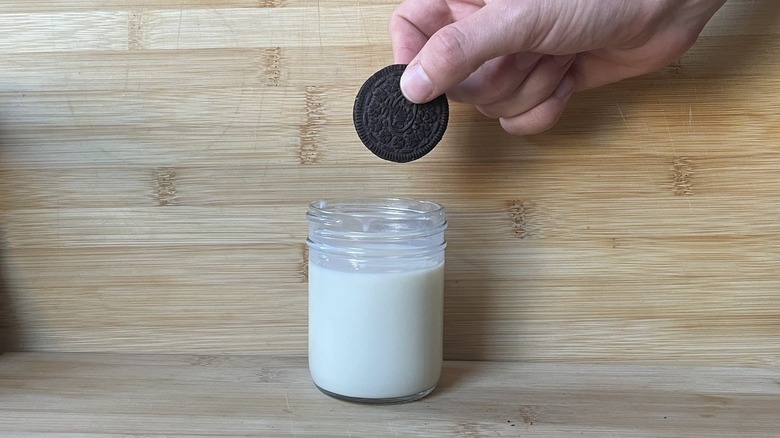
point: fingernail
(564, 88)
(563, 60)
(416, 85)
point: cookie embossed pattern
(392, 127)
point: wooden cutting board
(121, 395)
(157, 158)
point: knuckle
(395, 23)
(487, 111)
(449, 44)
(496, 88)
(543, 121)
(399, 23)
(532, 122)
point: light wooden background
(157, 158)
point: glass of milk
(376, 286)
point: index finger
(412, 24)
(407, 39)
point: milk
(374, 334)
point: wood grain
(157, 158)
(208, 395)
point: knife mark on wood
(682, 171)
(166, 186)
(135, 34)
(311, 130)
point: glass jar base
(378, 401)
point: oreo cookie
(392, 127)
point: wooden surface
(157, 157)
(137, 395)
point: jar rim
(375, 206)
(377, 220)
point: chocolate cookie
(392, 127)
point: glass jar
(376, 292)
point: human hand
(520, 60)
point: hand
(520, 60)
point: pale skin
(519, 61)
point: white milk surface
(375, 335)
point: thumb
(458, 49)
